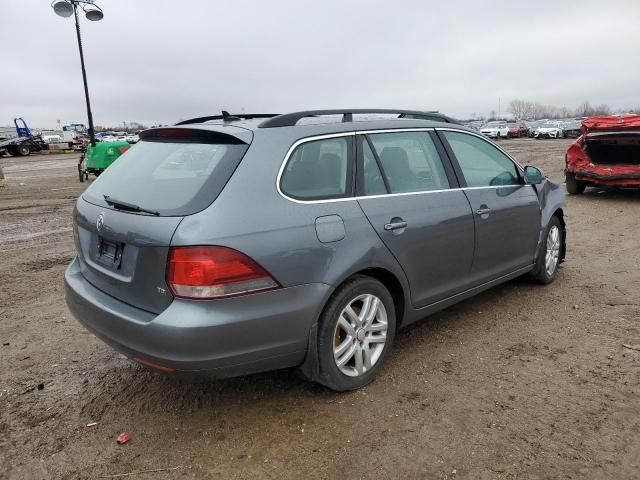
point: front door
(506, 211)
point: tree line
(528, 110)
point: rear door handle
(483, 211)
(395, 226)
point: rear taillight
(213, 272)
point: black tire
(330, 374)
(80, 169)
(574, 187)
(540, 273)
(12, 150)
(23, 150)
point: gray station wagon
(236, 244)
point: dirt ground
(522, 381)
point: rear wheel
(546, 267)
(355, 333)
(23, 150)
(574, 187)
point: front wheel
(549, 256)
(81, 169)
(355, 333)
(574, 187)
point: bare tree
(584, 109)
(517, 108)
(602, 110)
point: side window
(373, 183)
(410, 161)
(318, 170)
(482, 164)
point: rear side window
(410, 162)
(173, 178)
(482, 164)
(319, 170)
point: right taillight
(208, 272)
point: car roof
(312, 123)
(246, 129)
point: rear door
(125, 220)
(405, 190)
(506, 211)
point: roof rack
(291, 119)
(227, 117)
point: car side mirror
(533, 175)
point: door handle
(483, 211)
(395, 226)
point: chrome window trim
(386, 195)
(295, 145)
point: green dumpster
(97, 158)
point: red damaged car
(606, 154)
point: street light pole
(84, 78)
(66, 8)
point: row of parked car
(536, 129)
(118, 137)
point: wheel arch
(309, 368)
(391, 283)
(559, 212)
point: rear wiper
(120, 205)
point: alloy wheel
(553, 250)
(360, 335)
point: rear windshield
(171, 177)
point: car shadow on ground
(147, 391)
(612, 194)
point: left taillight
(208, 272)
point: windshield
(549, 125)
(171, 178)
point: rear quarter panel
(280, 234)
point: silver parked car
(238, 244)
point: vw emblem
(100, 222)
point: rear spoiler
(184, 134)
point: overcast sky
(161, 60)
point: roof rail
(227, 117)
(290, 119)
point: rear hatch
(124, 222)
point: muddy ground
(523, 381)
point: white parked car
(495, 130)
(549, 130)
(52, 138)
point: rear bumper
(614, 179)
(234, 336)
